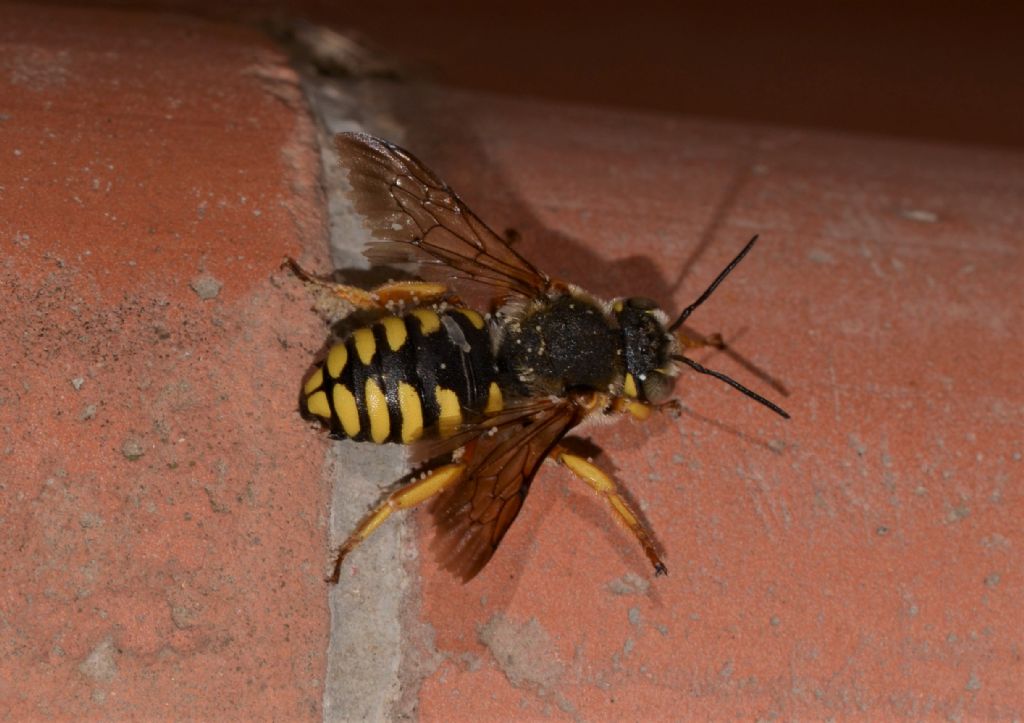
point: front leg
(642, 410)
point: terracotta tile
(860, 559)
(162, 511)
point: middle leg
(605, 486)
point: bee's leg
(605, 486)
(699, 341)
(715, 341)
(413, 293)
(642, 410)
(673, 407)
(410, 495)
(639, 410)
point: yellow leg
(639, 410)
(407, 496)
(642, 410)
(605, 486)
(414, 293)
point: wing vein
(416, 217)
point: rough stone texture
(162, 518)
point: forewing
(474, 516)
(414, 216)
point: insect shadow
(558, 253)
(468, 169)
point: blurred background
(944, 71)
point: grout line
(364, 675)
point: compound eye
(641, 303)
(657, 387)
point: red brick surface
(864, 558)
(162, 511)
(161, 526)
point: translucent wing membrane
(415, 217)
(473, 517)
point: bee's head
(649, 347)
(654, 351)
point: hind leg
(412, 293)
(409, 495)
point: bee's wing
(473, 516)
(415, 216)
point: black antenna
(732, 383)
(711, 372)
(714, 285)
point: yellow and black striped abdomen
(402, 376)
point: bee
(484, 396)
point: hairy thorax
(561, 342)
